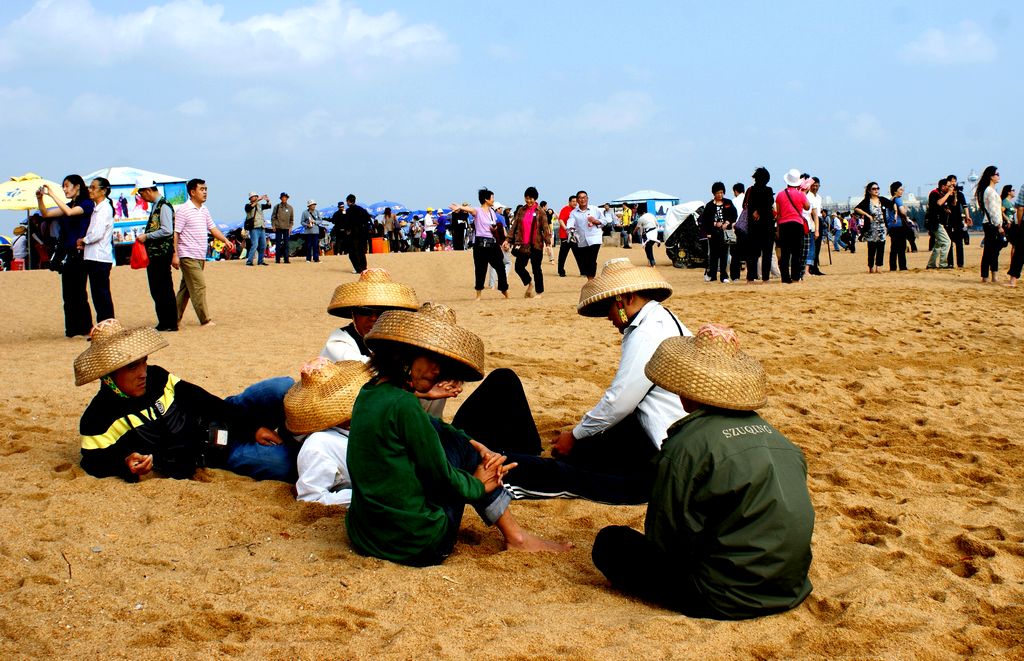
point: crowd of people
(729, 517)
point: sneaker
(726, 281)
(707, 278)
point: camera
(959, 188)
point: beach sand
(900, 388)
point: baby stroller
(683, 245)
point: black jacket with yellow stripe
(170, 421)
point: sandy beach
(899, 387)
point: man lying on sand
(145, 419)
(607, 456)
(728, 529)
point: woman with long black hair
(759, 203)
(988, 201)
(73, 219)
(873, 208)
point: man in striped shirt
(192, 220)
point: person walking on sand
(568, 243)
(310, 223)
(159, 242)
(992, 208)
(529, 234)
(488, 239)
(647, 227)
(589, 223)
(192, 223)
(358, 221)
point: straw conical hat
(619, 276)
(374, 288)
(113, 347)
(324, 395)
(710, 368)
(432, 327)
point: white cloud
(192, 33)
(622, 111)
(192, 108)
(968, 44)
(862, 126)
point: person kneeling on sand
(318, 410)
(146, 419)
(607, 456)
(412, 477)
(728, 528)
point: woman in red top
(791, 204)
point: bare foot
(529, 291)
(478, 295)
(538, 296)
(531, 543)
(208, 324)
(505, 293)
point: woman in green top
(412, 474)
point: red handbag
(140, 258)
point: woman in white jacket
(992, 206)
(98, 248)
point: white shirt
(587, 234)
(815, 201)
(323, 472)
(649, 224)
(429, 223)
(657, 409)
(98, 244)
(342, 346)
(738, 202)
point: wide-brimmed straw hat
(710, 368)
(113, 347)
(374, 288)
(324, 395)
(620, 276)
(432, 327)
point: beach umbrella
(19, 193)
(377, 208)
(5, 240)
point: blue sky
(425, 102)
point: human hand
(139, 464)
(443, 390)
(492, 468)
(266, 436)
(562, 445)
(141, 238)
(175, 262)
(80, 244)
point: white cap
(310, 203)
(142, 183)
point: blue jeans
(312, 247)
(837, 242)
(258, 236)
(263, 403)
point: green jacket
(730, 501)
(399, 474)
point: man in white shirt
(606, 456)
(589, 223)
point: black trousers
(534, 258)
(635, 565)
(161, 288)
(718, 257)
(281, 246)
(357, 255)
(956, 244)
(876, 253)
(739, 255)
(791, 240)
(612, 467)
(897, 249)
(586, 259)
(484, 256)
(564, 248)
(99, 287)
(1016, 260)
(990, 254)
(515, 432)
(817, 248)
(77, 315)
(649, 251)
(760, 247)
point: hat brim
(388, 295)
(119, 351)
(464, 348)
(313, 404)
(736, 382)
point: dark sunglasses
(368, 311)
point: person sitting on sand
(606, 457)
(146, 419)
(318, 409)
(728, 528)
(363, 301)
(413, 477)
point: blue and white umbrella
(378, 208)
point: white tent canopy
(678, 213)
(126, 176)
(645, 195)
